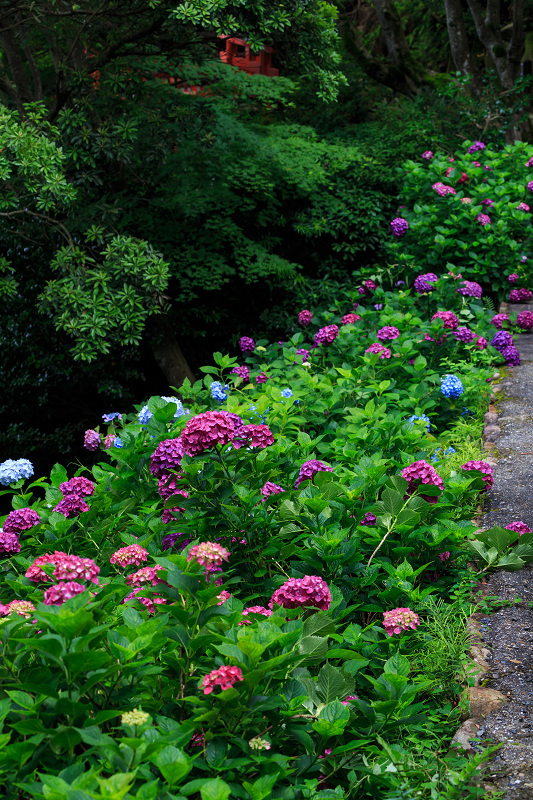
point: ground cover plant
(241, 597)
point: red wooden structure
(239, 54)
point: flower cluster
(22, 519)
(265, 612)
(262, 378)
(56, 595)
(326, 335)
(91, 440)
(399, 226)
(501, 340)
(427, 154)
(520, 295)
(424, 283)
(450, 321)
(369, 520)
(511, 356)
(513, 277)
(349, 319)
(470, 288)
(271, 488)
(524, 320)
(135, 717)
(498, 320)
(480, 342)
(309, 469)
(259, 744)
(464, 334)
(442, 189)
(167, 455)
(246, 344)
(80, 486)
(477, 146)
(421, 473)
(254, 436)
(519, 527)
(148, 602)
(219, 391)
(12, 471)
(304, 317)
(423, 419)
(67, 568)
(170, 540)
(111, 416)
(400, 619)
(71, 506)
(484, 468)
(451, 386)
(383, 351)
(9, 543)
(243, 372)
(483, 219)
(145, 576)
(127, 556)
(487, 202)
(224, 676)
(21, 607)
(388, 333)
(310, 591)
(522, 207)
(208, 554)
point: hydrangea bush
(228, 605)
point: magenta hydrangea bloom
(207, 430)
(303, 353)
(261, 378)
(464, 335)
(383, 351)
(71, 506)
(224, 676)
(271, 488)
(34, 572)
(349, 319)
(22, 519)
(91, 440)
(127, 556)
(145, 576)
(442, 189)
(167, 485)
(246, 344)
(483, 467)
(501, 340)
(388, 333)
(254, 436)
(530, 186)
(483, 219)
(515, 296)
(525, 294)
(522, 207)
(427, 154)
(519, 527)
(265, 612)
(470, 289)
(369, 520)
(208, 554)
(399, 226)
(149, 602)
(400, 619)
(309, 470)
(56, 595)
(170, 540)
(109, 440)
(480, 342)
(450, 321)
(511, 355)
(513, 277)
(310, 591)
(80, 486)
(304, 317)
(243, 372)
(498, 320)
(9, 543)
(524, 320)
(167, 456)
(420, 473)
(477, 146)
(74, 568)
(326, 335)
(487, 202)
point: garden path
(509, 632)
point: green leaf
(173, 763)
(332, 719)
(331, 683)
(397, 665)
(216, 789)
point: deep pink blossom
(271, 488)
(524, 320)
(388, 333)
(483, 467)
(127, 556)
(383, 351)
(71, 506)
(145, 576)
(22, 519)
(208, 554)
(309, 469)
(91, 440)
(225, 677)
(400, 619)
(419, 474)
(261, 378)
(56, 595)
(450, 321)
(148, 602)
(207, 430)
(513, 277)
(369, 520)
(519, 527)
(80, 486)
(254, 436)
(498, 320)
(304, 317)
(310, 591)
(326, 335)
(74, 568)
(9, 543)
(246, 344)
(21, 607)
(243, 372)
(350, 319)
(480, 342)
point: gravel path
(509, 632)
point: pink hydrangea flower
(109, 440)
(132, 554)
(498, 320)
(400, 619)
(480, 342)
(383, 351)
(350, 319)
(388, 333)
(427, 154)
(420, 473)
(443, 190)
(167, 485)
(483, 219)
(326, 335)
(207, 430)
(56, 595)
(222, 597)
(22, 519)
(445, 555)
(448, 318)
(369, 520)
(348, 699)
(304, 317)
(254, 436)
(515, 296)
(524, 320)
(310, 591)
(37, 575)
(522, 207)
(9, 543)
(148, 602)
(261, 610)
(70, 567)
(309, 469)
(225, 677)
(208, 554)
(21, 607)
(167, 457)
(519, 527)
(91, 440)
(513, 277)
(71, 506)
(271, 488)
(80, 486)
(146, 576)
(486, 469)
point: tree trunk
(167, 352)
(462, 57)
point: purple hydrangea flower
(71, 506)
(470, 289)
(304, 317)
(498, 320)
(513, 277)
(369, 520)
(327, 335)
(388, 333)
(511, 355)
(427, 154)
(501, 340)
(243, 372)
(420, 473)
(246, 344)
(530, 186)
(22, 519)
(309, 469)
(487, 202)
(477, 146)
(483, 219)
(424, 282)
(524, 320)
(91, 440)
(442, 189)
(399, 226)
(271, 488)
(9, 543)
(464, 335)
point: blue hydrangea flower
(414, 420)
(180, 411)
(12, 471)
(145, 415)
(286, 392)
(438, 454)
(466, 412)
(113, 415)
(118, 443)
(451, 386)
(218, 391)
